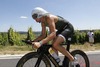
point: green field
(27, 48)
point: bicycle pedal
(77, 65)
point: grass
(86, 47)
(15, 49)
(25, 49)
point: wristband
(40, 42)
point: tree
(30, 35)
(13, 37)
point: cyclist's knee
(55, 46)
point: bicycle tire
(32, 56)
(83, 55)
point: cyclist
(60, 30)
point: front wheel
(29, 60)
(82, 58)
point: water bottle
(54, 55)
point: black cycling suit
(64, 27)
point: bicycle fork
(53, 60)
(39, 60)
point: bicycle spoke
(32, 62)
(80, 60)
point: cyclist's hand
(36, 44)
(27, 41)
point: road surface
(11, 60)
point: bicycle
(42, 58)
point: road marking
(93, 52)
(11, 56)
(19, 56)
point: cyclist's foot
(73, 63)
(58, 60)
(56, 57)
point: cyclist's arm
(52, 29)
(43, 33)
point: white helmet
(38, 12)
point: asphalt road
(11, 61)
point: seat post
(68, 44)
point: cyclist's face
(37, 19)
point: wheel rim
(80, 61)
(32, 62)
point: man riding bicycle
(60, 30)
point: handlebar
(27, 41)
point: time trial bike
(43, 58)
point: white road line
(11, 56)
(19, 56)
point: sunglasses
(34, 16)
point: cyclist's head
(38, 12)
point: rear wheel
(82, 58)
(29, 60)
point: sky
(82, 14)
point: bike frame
(43, 50)
(43, 54)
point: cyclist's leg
(58, 47)
(56, 51)
(61, 37)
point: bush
(14, 38)
(97, 36)
(3, 39)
